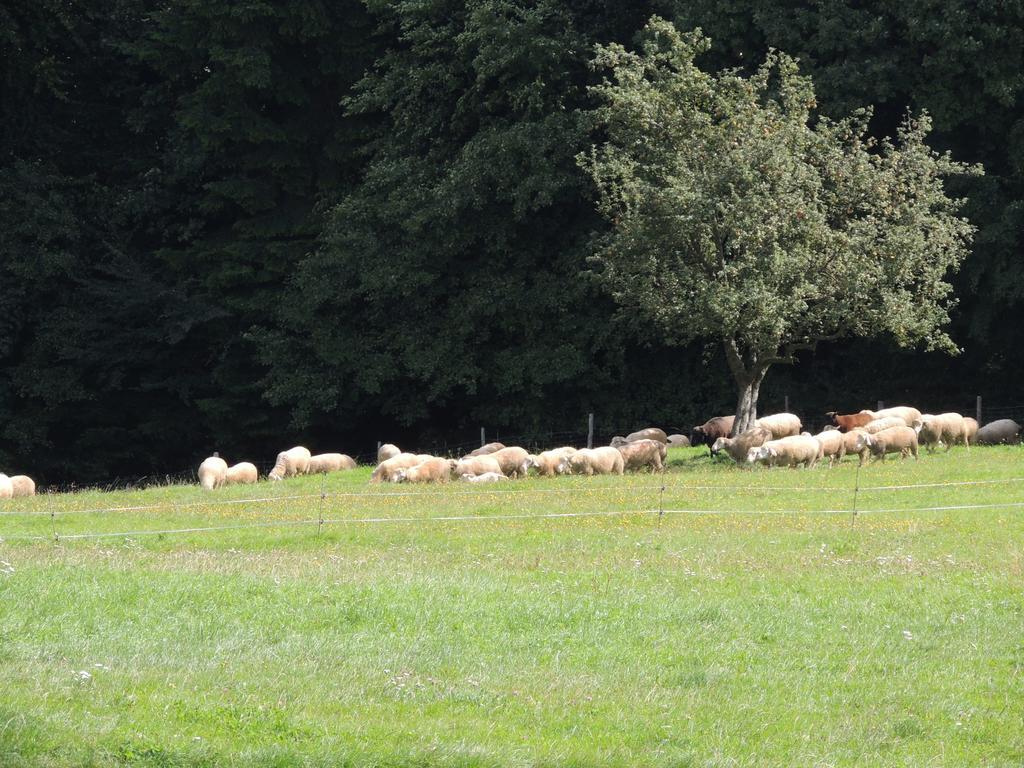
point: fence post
(785, 407)
(881, 405)
(483, 438)
(977, 407)
(590, 430)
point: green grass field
(559, 622)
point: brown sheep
(711, 430)
(844, 423)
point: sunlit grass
(713, 634)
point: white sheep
(243, 473)
(212, 472)
(290, 463)
(323, 463)
(387, 451)
(6, 487)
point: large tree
(739, 215)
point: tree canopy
(739, 215)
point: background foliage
(240, 225)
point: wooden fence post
(977, 408)
(881, 405)
(785, 407)
(483, 438)
(590, 430)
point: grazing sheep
(486, 477)
(644, 453)
(387, 451)
(212, 472)
(485, 450)
(789, 451)
(905, 412)
(477, 465)
(6, 487)
(780, 424)
(618, 440)
(833, 445)
(23, 485)
(844, 423)
(948, 428)
(711, 430)
(678, 441)
(323, 463)
(388, 469)
(901, 440)
(877, 425)
(243, 473)
(853, 446)
(512, 460)
(547, 462)
(1001, 431)
(738, 447)
(596, 461)
(290, 463)
(433, 470)
(649, 433)
(971, 425)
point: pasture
(544, 622)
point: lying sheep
(512, 460)
(596, 461)
(780, 424)
(905, 412)
(23, 485)
(678, 441)
(388, 469)
(851, 443)
(833, 445)
(387, 451)
(901, 440)
(711, 430)
(877, 425)
(649, 433)
(291, 463)
(547, 462)
(947, 428)
(433, 470)
(323, 463)
(6, 487)
(212, 472)
(477, 465)
(1001, 431)
(485, 450)
(789, 451)
(486, 477)
(243, 473)
(644, 453)
(738, 447)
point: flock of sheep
(775, 440)
(778, 440)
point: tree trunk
(746, 404)
(749, 373)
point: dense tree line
(241, 224)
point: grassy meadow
(544, 622)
